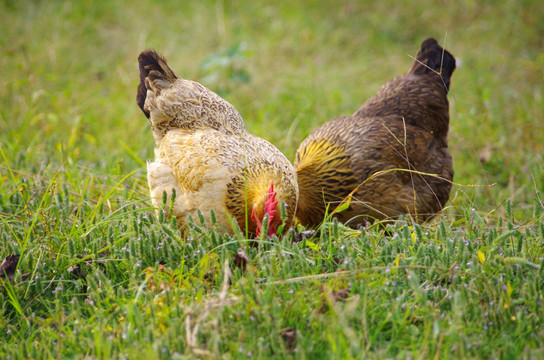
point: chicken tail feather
(154, 66)
(432, 58)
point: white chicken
(205, 154)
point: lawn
(100, 276)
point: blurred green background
(69, 74)
(74, 202)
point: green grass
(100, 276)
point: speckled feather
(205, 153)
(404, 126)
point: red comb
(270, 209)
(271, 203)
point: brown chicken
(205, 155)
(391, 155)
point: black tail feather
(432, 58)
(149, 61)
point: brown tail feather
(149, 61)
(432, 58)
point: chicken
(205, 154)
(390, 157)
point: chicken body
(205, 154)
(380, 153)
